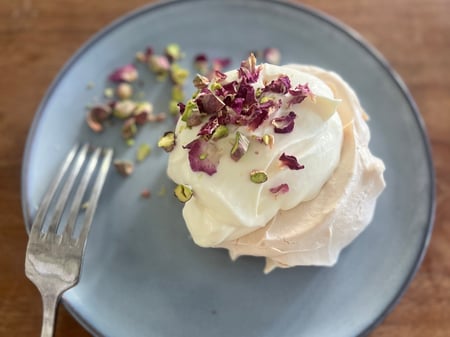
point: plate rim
(318, 14)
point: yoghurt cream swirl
(302, 131)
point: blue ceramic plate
(143, 276)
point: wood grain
(36, 39)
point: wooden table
(38, 36)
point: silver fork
(54, 254)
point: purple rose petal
(203, 156)
(291, 162)
(280, 189)
(284, 124)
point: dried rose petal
(248, 72)
(124, 167)
(240, 146)
(203, 156)
(209, 103)
(291, 162)
(181, 107)
(127, 73)
(209, 127)
(219, 76)
(257, 117)
(284, 124)
(221, 63)
(280, 189)
(279, 86)
(299, 93)
(272, 55)
(168, 141)
(237, 104)
(201, 64)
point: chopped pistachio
(203, 156)
(129, 128)
(268, 139)
(183, 193)
(259, 92)
(143, 152)
(168, 141)
(85, 205)
(124, 167)
(108, 92)
(130, 142)
(190, 110)
(124, 109)
(177, 93)
(200, 81)
(178, 74)
(173, 52)
(240, 146)
(220, 132)
(258, 177)
(216, 86)
(124, 90)
(265, 99)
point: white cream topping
(329, 202)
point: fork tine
(36, 227)
(64, 195)
(75, 208)
(96, 190)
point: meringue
(321, 183)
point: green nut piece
(258, 177)
(240, 146)
(143, 152)
(178, 74)
(177, 93)
(124, 109)
(183, 193)
(173, 52)
(220, 132)
(168, 141)
(268, 139)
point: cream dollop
(329, 202)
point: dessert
(274, 162)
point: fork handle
(50, 302)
